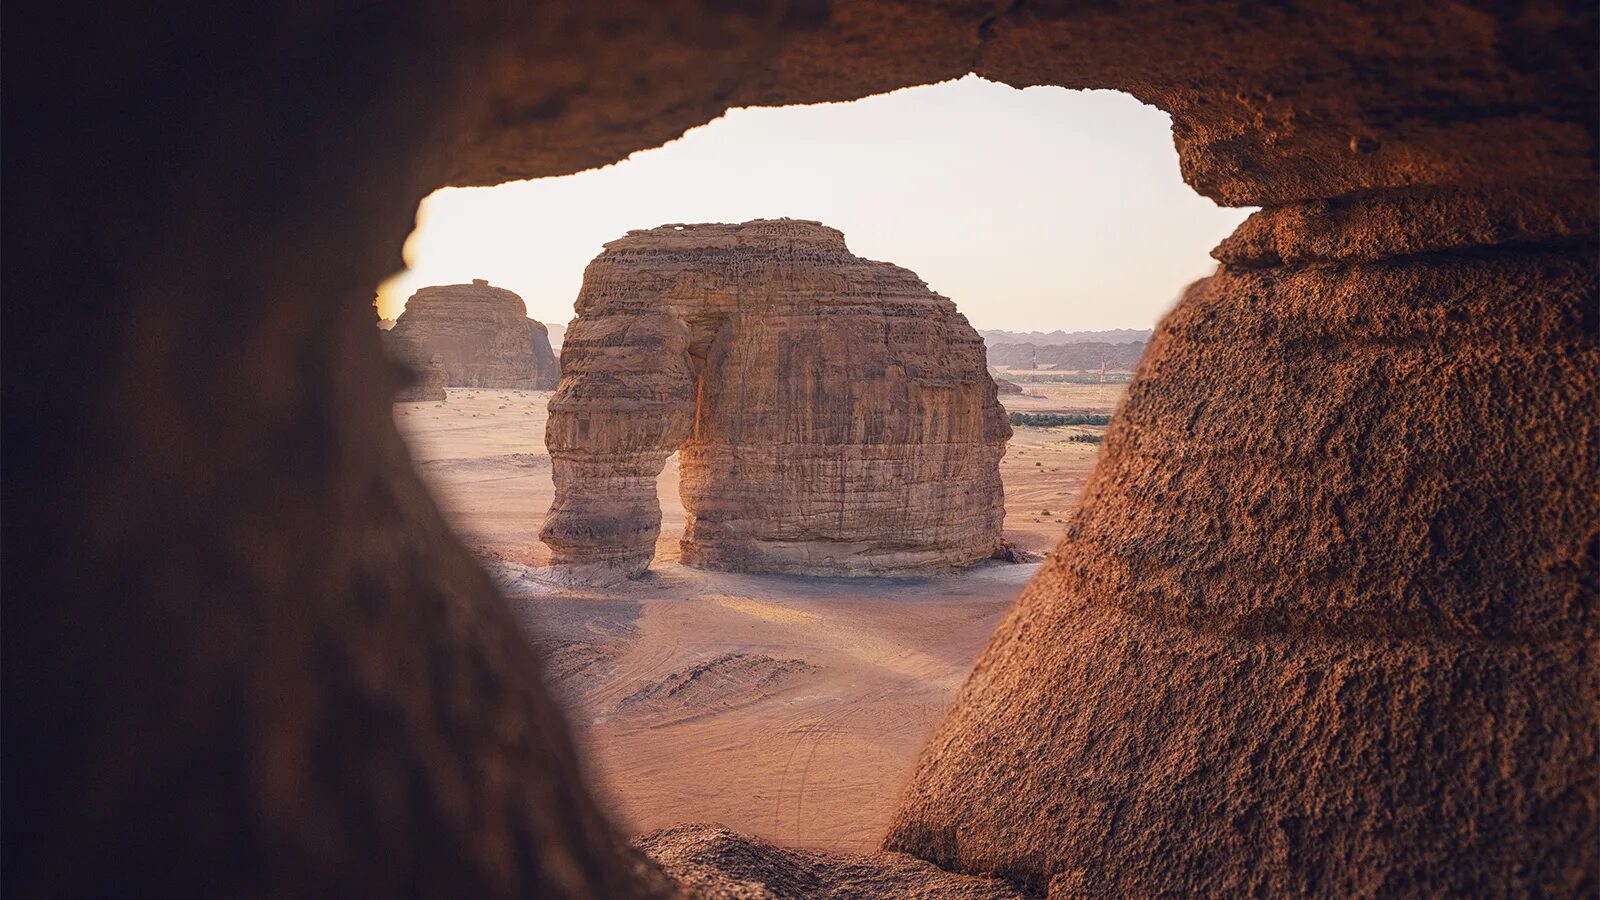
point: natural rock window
(835, 416)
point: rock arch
(210, 514)
(833, 415)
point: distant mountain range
(1041, 338)
(1117, 350)
(1084, 357)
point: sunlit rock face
(833, 415)
(479, 335)
(1324, 622)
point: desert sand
(783, 706)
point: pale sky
(1033, 210)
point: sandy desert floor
(787, 707)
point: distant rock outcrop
(558, 334)
(480, 335)
(1007, 387)
(833, 415)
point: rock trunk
(834, 416)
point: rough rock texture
(480, 335)
(423, 378)
(1325, 620)
(1270, 104)
(210, 515)
(833, 415)
(714, 863)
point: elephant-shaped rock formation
(833, 415)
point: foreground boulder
(479, 335)
(1324, 621)
(833, 416)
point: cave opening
(1323, 623)
(1057, 224)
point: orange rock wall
(833, 415)
(1325, 620)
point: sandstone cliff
(480, 335)
(833, 415)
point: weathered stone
(712, 862)
(833, 415)
(479, 335)
(421, 381)
(220, 523)
(1330, 586)
(1007, 387)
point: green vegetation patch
(1053, 420)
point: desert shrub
(1052, 420)
(1086, 438)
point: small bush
(1086, 438)
(1053, 420)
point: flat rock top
(757, 235)
(457, 298)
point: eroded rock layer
(1324, 622)
(480, 335)
(834, 416)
